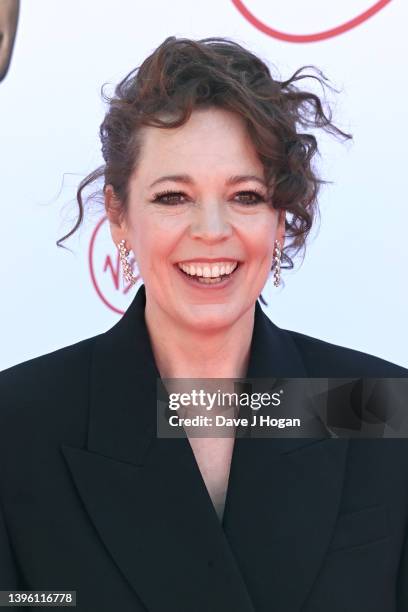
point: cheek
(260, 237)
(153, 242)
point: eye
(169, 197)
(255, 195)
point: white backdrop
(352, 287)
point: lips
(217, 280)
(208, 270)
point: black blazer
(92, 501)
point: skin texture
(197, 332)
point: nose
(210, 222)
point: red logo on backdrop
(105, 269)
(305, 38)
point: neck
(185, 352)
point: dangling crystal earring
(126, 267)
(277, 272)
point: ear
(114, 212)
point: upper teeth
(209, 271)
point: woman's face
(215, 220)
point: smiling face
(216, 223)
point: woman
(208, 179)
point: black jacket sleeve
(9, 577)
(402, 585)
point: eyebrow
(185, 178)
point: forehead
(212, 139)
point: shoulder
(43, 404)
(322, 358)
(45, 367)
(39, 389)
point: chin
(211, 317)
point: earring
(126, 267)
(277, 272)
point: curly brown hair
(182, 75)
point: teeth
(209, 271)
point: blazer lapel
(283, 493)
(149, 504)
(144, 495)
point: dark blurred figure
(9, 10)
